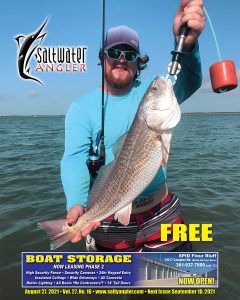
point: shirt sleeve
(190, 77)
(74, 172)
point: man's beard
(118, 83)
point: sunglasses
(115, 54)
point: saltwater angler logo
(47, 59)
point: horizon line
(183, 113)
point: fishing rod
(97, 158)
(102, 146)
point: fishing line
(102, 147)
(97, 158)
(213, 32)
(223, 73)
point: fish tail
(58, 232)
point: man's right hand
(74, 213)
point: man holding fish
(129, 199)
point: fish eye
(154, 88)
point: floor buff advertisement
(119, 148)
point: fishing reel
(95, 160)
(94, 163)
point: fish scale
(145, 148)
(122, 176)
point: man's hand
(74, 213)
(190, 13)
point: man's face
(120, 73)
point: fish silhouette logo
(26, 50)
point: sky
(78, 23)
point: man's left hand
(189, 13)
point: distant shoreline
(186, 113)
(212, 113)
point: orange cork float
(223, 76)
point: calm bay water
(203, 170)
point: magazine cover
(119, 149)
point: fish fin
(58, 232)
(118, 144)
(165, 144)
(98, 183)
(123, 215)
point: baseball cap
(122, 35)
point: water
(203, 171)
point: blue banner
(73, 269)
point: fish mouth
(157, 80)
(159, 83)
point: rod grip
(184, 30)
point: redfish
(139, 155)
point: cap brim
(121, 43)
